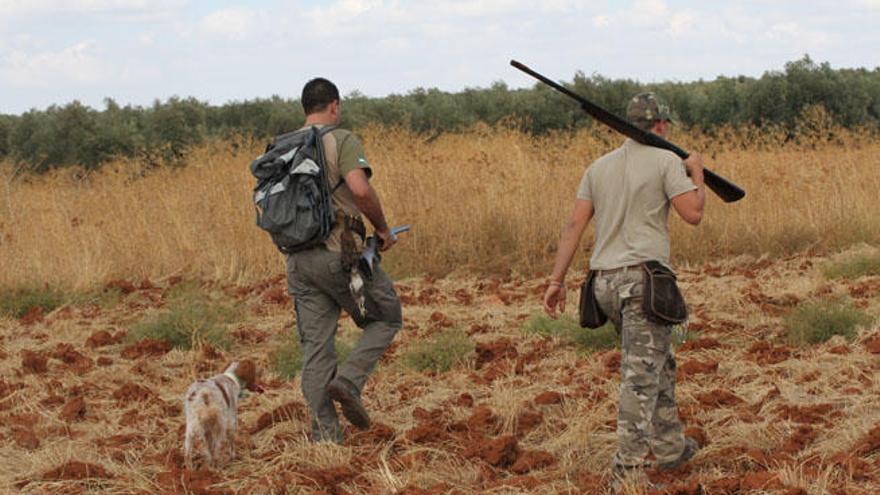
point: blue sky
(54, 51)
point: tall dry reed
(490, 200)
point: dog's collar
(241, 389)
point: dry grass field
(479, 393)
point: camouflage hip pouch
(662, 301)
(351, 252)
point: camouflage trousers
(319, 287)
(647, 419)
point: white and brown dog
(210, 407)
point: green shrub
(441, 353)
(16, 303)
(193, 317)
(287, 359)
(816, 322)
(854, 268)
(566, 328)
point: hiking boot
(340, 390)
(691, 447)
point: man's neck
(319, 119)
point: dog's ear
(246, 371)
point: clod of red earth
(464, 400)
(799, 439)
(857, 469)
(131, 392)
(427, 433)
(439, 489)
(327, 478)
(763, 352)
(844, 349)
(378, 433)
(76, 470)
(694, 367)
(104, 361)
(548, 398)
(26, 439)
(526, 483)
(816, 413)
(123, 286)
(249, 335)
(211, 353)
(869, 444)
(492, 351)
(531, 460)
(762, 480)
(718, 398)
(482, 421)
(67, 354)
(527, 421)
(590, 482)
(103, 338)
(872, 344)
(32, 316)
(33, 362)
(146, 348)
(477, 328)
(196, 482)
(439, 319)
(685, 488)
(74, 410)
(697, 434)
(700, 344)
(612, 363)
(498, 452)
(286, 412)
(464, 297)
(276, 295)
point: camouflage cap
(647, 107)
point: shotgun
(726, 190)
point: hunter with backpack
(312, 190)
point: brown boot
(344, 393)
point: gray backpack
(292, 196)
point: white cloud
(74, 65)
(233, 23)
(601, 21)
(135, 10)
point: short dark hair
(317, 94)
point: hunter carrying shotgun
(629, 192)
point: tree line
(75, 134)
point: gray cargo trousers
(647, 419)
(319, 287)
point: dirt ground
(83, 412)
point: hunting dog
(210, 407)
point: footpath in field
(478, 394)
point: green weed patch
(853, 268)
(568, 329)
(816, 322)
(442, 352)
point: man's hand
(386, 239)
(694, 166)
(554, 296)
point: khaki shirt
(344, 153)
(631, 188)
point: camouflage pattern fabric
(647, 108)
(647, 419)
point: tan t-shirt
(631, 188)
(344, 153)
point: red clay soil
(856, 468)
(26, 439)
(74, 410)
(700, 344)
(548, 398)
(33, 315)
(873, 344)
(427, 432)
(869, 444)
(103, 338)
(75, 470)
(146, 348)
(275, 295)
(499, 452)
(464, 400)
(763, 352)
(482, 421)
(440, 489)
(439, 319)
(104, 361)
(123, 286)
(132, 392)
(612, 363)
(697, 434)
(68, 355)
(817, 413)
(328, 478)
(492, 351)
(531, 460)
(527, 421)
(378, 434)
(33, 362)
(718, 398)
(196, 482)
(694, 367)
(286, 412)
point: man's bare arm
(689, 205)
(571, 238)
(368, 203)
